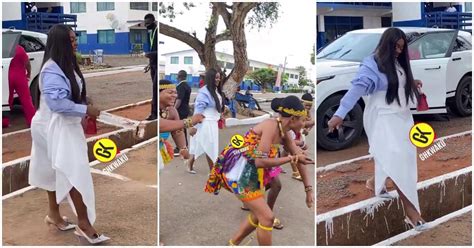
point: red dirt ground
(345, 185)
(19, 145)
(139, 112)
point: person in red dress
(19, 74)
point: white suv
(34, 44)
(440, 58)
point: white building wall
(93, 20)
(11, 11)
(372, 21)
(405, 11)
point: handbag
(221, 123)
(89, 124)
(422, 102)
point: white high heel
(420, 225)
(100, 238)
(50, 222)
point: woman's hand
(184, 153)
(92, 111)
(304, 159)
(192, 131)
(310, 199)
(334, 123)
(89, 101)
(197, 118)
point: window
(431, 46)
(81, 37)
(296, 76)
(31, 44)
(78, 7)
(461, 45)
(154, 6)
(188, 60)
(467, 7)
(220, 63)
(106, 36)
(103, 6)
(229, 65)
(139, 5)
(174, 60)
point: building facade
(189, 61)
(114, 27)
(336, 18)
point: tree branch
(223, 12)
(223, 36)
(182, 36)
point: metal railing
(455, 20)
(43, 21)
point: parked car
(34, 45)
(440, 58)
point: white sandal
(100, 238)
(67, 227)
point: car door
(459, 65)
(34, 47)
(10, 40)
(429, 58)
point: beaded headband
(167, 86)
(292, 111)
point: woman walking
(59, 159)
(387, 79)
(205, 136)
(246, 171)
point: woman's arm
(170, 125)
(201, 102)
(291, 148)
(178, 135)
(56, 93)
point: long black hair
(210, 81)
(60, 50)
(385, 58)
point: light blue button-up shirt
(56, 89)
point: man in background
(182, 102)
(152, 55)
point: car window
(351, 47)
(461, 45)
(31, 44)
(431, 46)
(9, 42)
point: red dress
(18, 82)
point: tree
(266, 77)
(303, 79)
(234, 16)
(313, 54)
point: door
(459, 65)
(430, 55)
(9, 41)
(34, 47)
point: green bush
(79, 58)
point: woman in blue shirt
(59, 158)
(387, 79)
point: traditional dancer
(387, 79)
(245, 171)
(59, 160)
(205, 136)
(170, 124)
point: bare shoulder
(173, 114)
(267, 126)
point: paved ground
(126, 211)
(189, 216)
(441, 126)
(124, 60)
(455, 232)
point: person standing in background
(152, 55)
(182, 101)
(19, 74)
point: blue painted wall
(121, 46)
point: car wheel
(350, 131)
(462, 102)
(34, 92)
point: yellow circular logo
(422, 135)
(237, 141)
(105, 150)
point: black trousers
(154, 101)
